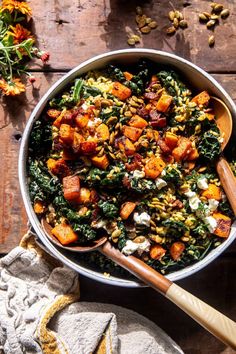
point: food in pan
(130, 152)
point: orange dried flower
(19, 33)
(20, 6)
(13, 88)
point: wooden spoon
(215, 322)
(225, 124)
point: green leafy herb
(108, 209)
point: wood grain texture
(89, 27)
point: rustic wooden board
(74, 30)
(13, 117)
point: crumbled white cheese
(85, 106)
(138, 174)
(213, 204)
(95, 121)
(131, 247)
(202, 183)
(190, 194)
(160, 183)
(163, 173)
(194, 201)
(142, 219)
(211, 223)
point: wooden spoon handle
(215, 322)
(228, 181)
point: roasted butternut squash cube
(82, 120)
(157, 252)
(71, 188)
(127, 209)
(131, 132)
(120, 91)
(154, 167)
(138, 122)
(182, 150)
(171, 140)
(223, 225)
(58, 167)
(39, 207)
(164, 103)
(212, 192)
(126, 146)
(176, 250)
(66, 133)
(84, 196)
(103, 133)
(100, 161)
(88, 147)
(53, 113)
(65, 234)
(202, 99)
(77, 140)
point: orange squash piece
(103, 132)
(88, 147)
(126, 146)
(212, 192)
(164, 103)
(223, 225)
(121, 91)
(202, 99)
(84, 196)
(157, 252)
(210, 116)
(176, 250)
(65, 234)
(77, 140)
(126, 209)
(131, 132)
(100, 161)
(57, 122)
(66, 133)
(58, 167)
(128, 75)
(171, 140)
(193, 155)
(82, 120)
(71, 188)
(53, 113)
(39, 207)
(138, 122)
(154, 167)
(183, 148)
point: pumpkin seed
(211, 23)
(211, 41)
(112, 138)
(213, 4)
(176, 23)
(177, 14)
(148, 20)
(171, 30)
(138, 18)
(153, 24)
(218, 8)
(214, 17)
(136, 38)
(142, 21)
(203, 17)
(183, 24)
(181, 16)
(139, 10)
(171, 15)
(225, 13)
(131, 41)
(101, 152)
(111, 120)
(145, 29)
(207, 14)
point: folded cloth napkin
(40, 312)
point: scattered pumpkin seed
(214, 17)
(211, 41)
(224, 13)
(203, 17)
(211, 23)
(207, 14)
(131, 41)
(145, 29)
(171, 30)
(177, 14)
(139, 10)
(148, 20)
(171, 15)
(176, 23)
(136, 38)
(153, 24)
(142, 21)
(213, 4)
(218, 8)
(183, 24)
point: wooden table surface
(75, 30)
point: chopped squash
(65, 234)
(210, 116)
(193, 155)
(157, 252)
(82, 120)
(100, 161)
(183, 148)
(223, 225)
(164, 103)
(131, 132)
(128, 75)
(154, 167)
(152, 134)
(126, 146)
(53, 113)
(88, 147)
(121, 91)
(176, 250)
(77, 140)
(39, 207)
(171, 140)
(57, 122)
(126, 209)
(58, 167)
(202, 99)
(212, 192)
(66, 133)
(103, 132)
(84, 196)
(138, 122)
(71, 188)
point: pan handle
(215, 322)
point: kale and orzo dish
(131, 152)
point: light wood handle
(228, 181)
(215, 322)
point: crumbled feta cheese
(138, 174)
(142, 219)
(85, 106)
(131, 247)
(95, 121)
(202, 183)
(211, 223)
(213, 204)
(160, 183)
(190, 194)
(221, 140)
(194, 201)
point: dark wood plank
(13, 117)
(73, 31)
